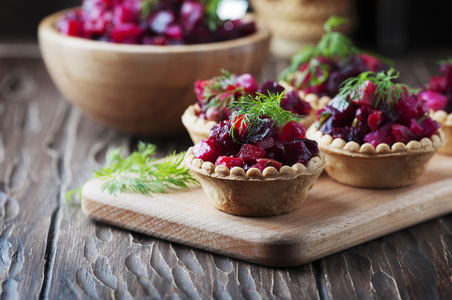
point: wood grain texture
(334, 217)
(51, 250)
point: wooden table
(50, 249)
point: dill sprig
(386, 91)
(147, 6)
(333, 44)
(214, 93)
(212, 19)
(140, 173)
(253, 109)
(444, 61)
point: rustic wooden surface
(50, 250)
(333, 218)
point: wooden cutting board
(333, 218)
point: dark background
(387, 26)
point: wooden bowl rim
(46, 29)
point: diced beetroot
(382, 135)
(265, 144)
(240, 124)
(270, 86)
(276, 151)
(296, 151)
(374, 120)
(366, 93)
(220, 134)
(127, 12)
(247, 82)
(250, 153)
(292, 130)
(71, 27)
(125, 32)
(199, 88)
(207, 150)
(438, 84)
(174, 31)
(191, 13)
(429, 127)
(372, 63)
(230, 161)
(262, 163)
(402, 133)
(415, 127)
(435, 100)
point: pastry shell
(381, 167)
(445, 120)
(254, 193)
(199, 129)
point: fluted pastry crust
(381, 167)
(253, 193)
(445, 120)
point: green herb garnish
(252, 109)
(332, 45)
(386, 91)
(147, 6)
(444, 61)
(140, 173)
(218, 87)
(212, 19)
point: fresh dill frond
(222, 90)
(444, 61)
(387, 90)
(147, 6)
(213, 21)
(253, 109)
(139, 173)
(333, 44)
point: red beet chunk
(230, 161)
(262, 163)
(435, 100)
(374, 120)
(126, 33)
(382, 135)
(207, 151)
(191, 14)
(292, 130)
(265, 144)
(299, 151)
(429, 127)
(402, 133)
(250, 153)
(248, 83)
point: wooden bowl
(141, 89)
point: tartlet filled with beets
(438, 96)
(216, 95)
(258, 163)
(318, 70)
(376, 133)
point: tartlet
(376, 133)
(381, 167)
(438, 95)
(259, 162)
(445, 121)
(215, 95)
(255, 193)
(317, 71)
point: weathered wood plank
(50, 249)
(28, 175)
